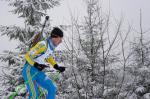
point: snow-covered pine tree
(89, 59)
(139, 68)
(97, 48)
(32, 12)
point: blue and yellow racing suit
(42, 54)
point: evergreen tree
(32, 12)
(140, 65)
(89, 57)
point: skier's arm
(55, 65)
(38, 49)
(51, 61)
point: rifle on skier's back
(38, 37)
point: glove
(40, 67)
(60, 69)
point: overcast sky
(61, 14)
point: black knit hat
(56, 32)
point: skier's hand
(40, 67)
(60, 69)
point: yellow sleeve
(35, 51)
(51, 61)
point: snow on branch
(13, 32)
(11, 58)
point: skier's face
(57, 40)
